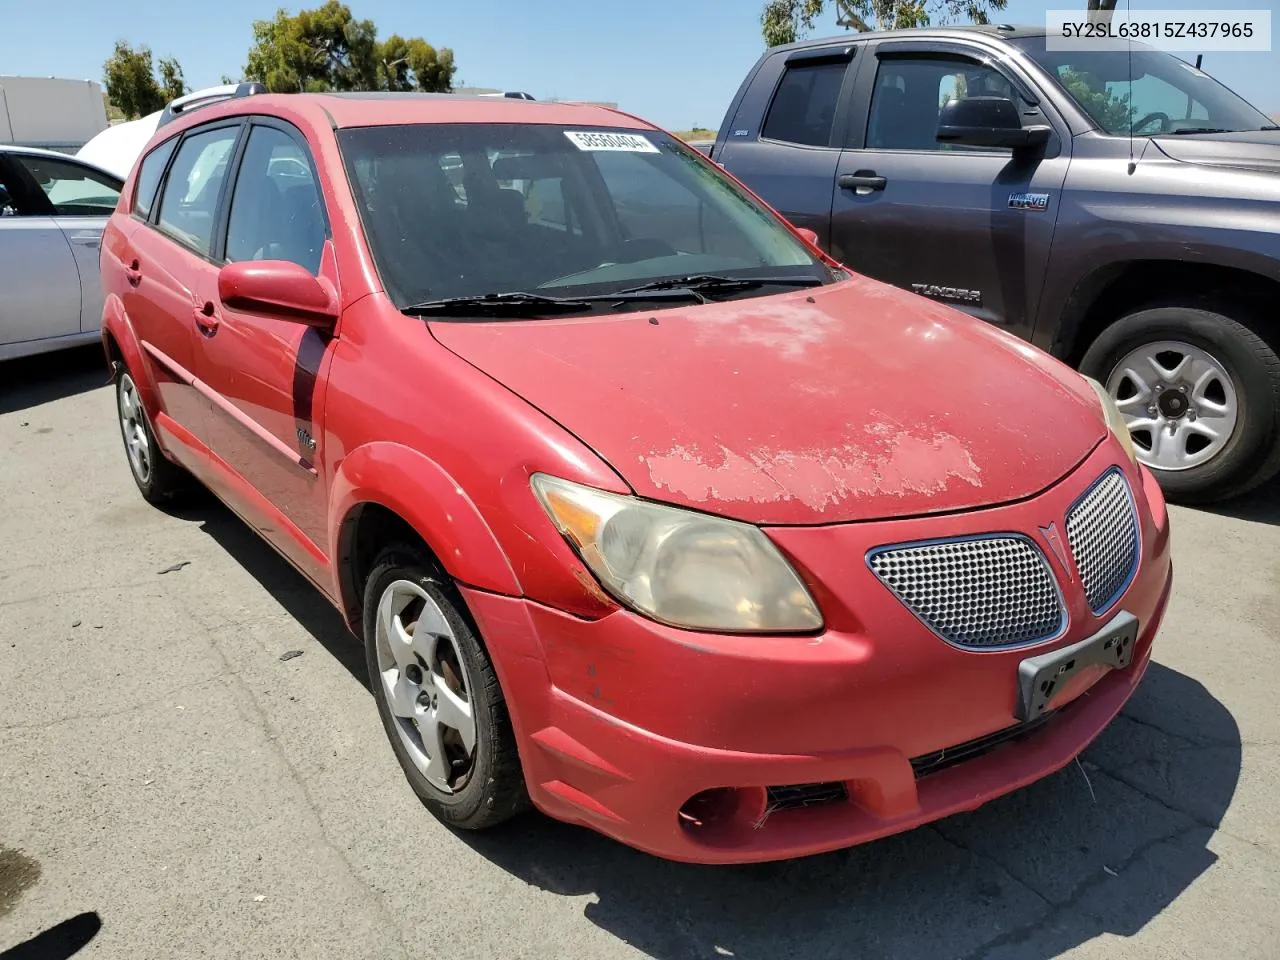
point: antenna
(1132, 163)
(1199, 60)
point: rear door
(39, 282)
(81, 199)
(170, 261)
(790, 157)
(967, 226)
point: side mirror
(809, 235)
(280, 289)
(987, 122)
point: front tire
(1200, 390)
(438, 695)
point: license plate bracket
(1041, 678)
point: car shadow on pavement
(59, 942)
(32, 381)
(1101, 847)
(1261, 505)
(290, 589)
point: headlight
(681, 568)
(1115, 419)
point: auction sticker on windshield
(627, 142)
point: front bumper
(621, 721)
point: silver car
(53, 209)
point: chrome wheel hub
(421, 671)
(133, 427)
(1179, 402)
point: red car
(646, 511)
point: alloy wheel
(137, 444)
(1179, 402)
(426, 685)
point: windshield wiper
(518, 304)
(1186, 130)
(709, 283)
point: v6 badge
(1028, 201)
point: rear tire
(1199, 370)
(161, 482)
(437, 691)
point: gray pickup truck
(1118, 208)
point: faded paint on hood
(867, 402)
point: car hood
(852, 401)
(1246, 150)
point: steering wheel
(1154, 115)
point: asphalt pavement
(172, 785)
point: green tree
(327, 48)
(130, 81)
(1111, 111)
(172, 83)
(783, 21)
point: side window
(144, 192)
(189, 201)
(74, 190)
(276, 211)
(804, 106)
(909, 93)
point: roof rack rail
(208, 97)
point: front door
(81, 199)
(265, 375)
(39, 283)
(967, 226)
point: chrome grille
(988, 592)
(1103, 533)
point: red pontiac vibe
(647, 512)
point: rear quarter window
(153, 164)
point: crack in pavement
(992, 860)
(133, 708)
(263, 722)
(1025, 932)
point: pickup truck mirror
(987, 122)
(280, 289)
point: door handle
(133, 273)
(862, 180)
(206, 319)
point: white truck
(50, 112)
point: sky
(676, 63)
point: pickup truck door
(967, 226)
(788, 129)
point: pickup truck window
(910, 92)
(1148, 94)
(804, 106)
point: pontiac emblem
(1050, 534)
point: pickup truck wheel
(438, 695)
(1200, 391)
(160, 481)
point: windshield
(471, 209)
(1165, 95)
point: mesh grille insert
(989, 592)
(1103, 533)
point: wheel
(160, 480)
(438, 695)
(1200, 391)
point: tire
(161, 482)
(477, 791)
(1236, 460)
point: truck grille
(987, 592)
(1102, 530)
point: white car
(53, 209)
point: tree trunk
(1101, 11)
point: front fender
(424, 495)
